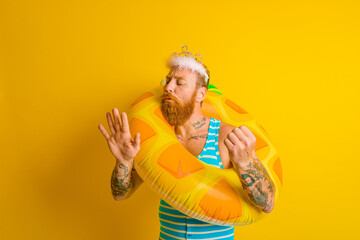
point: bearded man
(212, 141)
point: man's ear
(201, 94)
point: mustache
(166, 95)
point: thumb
(137, 140)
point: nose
(169, 87)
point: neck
(196, 123)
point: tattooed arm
(255, 180)
(257, 184)
(124, 181)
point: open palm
(120, 142)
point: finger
(137, 140)
(110, 122)
(247, 132)
(117, 119)
(233, 138)
(228, 143)
(239, 134)
(104, 132)
(125, 123)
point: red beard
(174, 112)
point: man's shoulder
(225, 129)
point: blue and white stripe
(174, 224)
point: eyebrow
(177, 77)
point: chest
(196, 145)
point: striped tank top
(174, 224)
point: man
(210, 140)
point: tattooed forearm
(200, 123)
(258, 185)
(199, 136)
(121, 180)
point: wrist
(128, 163)
(243, 165)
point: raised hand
(241, 145)
(120, 142)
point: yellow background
(293, 65)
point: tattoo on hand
(119, 184)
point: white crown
(188, 60)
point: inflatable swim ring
(197, 189)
